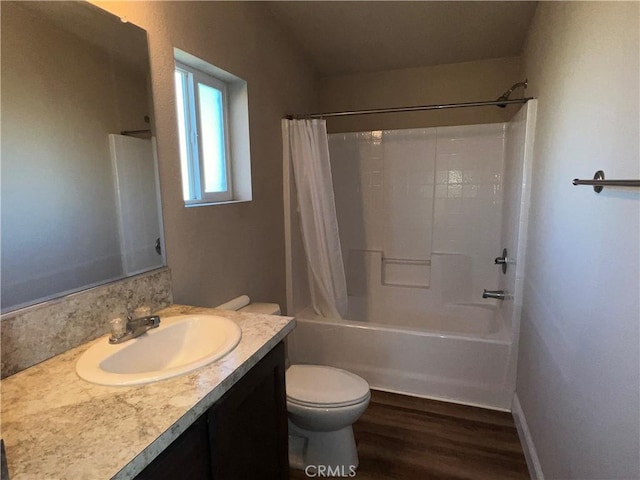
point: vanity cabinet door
(248, 426)
(187, 458)
(242, 437)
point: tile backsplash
(35, 333)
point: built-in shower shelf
(402, 272)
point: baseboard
(533, 463)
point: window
(213, 133)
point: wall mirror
(80, 199)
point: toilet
(322, 403)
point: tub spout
(499, 294)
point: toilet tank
(263, 308)
(243, 304)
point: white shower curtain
(305, 145)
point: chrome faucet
(499, 294)
(134, 328)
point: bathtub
(460, 353)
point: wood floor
(408, 438)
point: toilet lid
(322, 385)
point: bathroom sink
(179, 345)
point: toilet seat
(299, 403)
(325, 387)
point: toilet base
(332, 453)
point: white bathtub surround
(417, 323)
(407, 198)
(374, 301)
(469, 202)
(384, 186)
(137, 201)
(305, 147)
(515, 219)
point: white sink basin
(179, 345)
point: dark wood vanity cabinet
(243, 436)
(187, 457)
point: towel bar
(599, 182)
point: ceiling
(342, 37)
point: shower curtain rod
(498, 103)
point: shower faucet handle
(503, 260)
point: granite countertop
(58, 426)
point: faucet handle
(503, 260)
(118, 327)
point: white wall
(579, 360)
(451, 83)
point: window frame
(193, 132)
